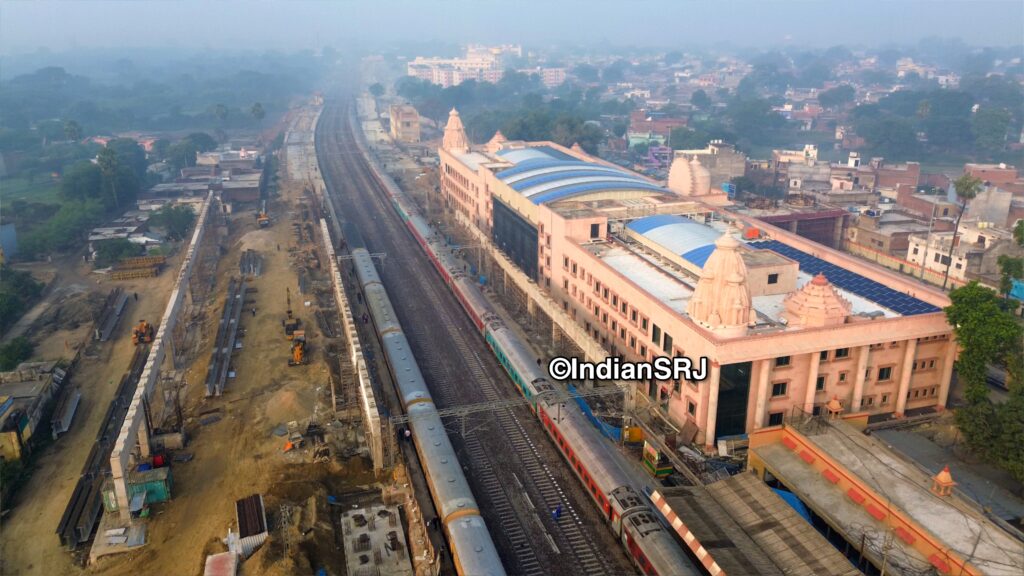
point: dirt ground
(234, 457)
(28, 539)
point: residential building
(974, 256)
(722, 161)
(624, 266)
(481, 63)
(405, 123)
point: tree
(72, 131)
(988, 333)
(110, 252)
(110, 168)
(130, 155)
(744, 185)
(990, 126)
(15, 352)
(176, 220)
(967, 187)
(221, 112)
(1018, 232)
(258, 113)
(838, 96)
(202, 141)
(1010, 269)
(700, 99)
(182, 154)
(159, 148)
(81, 181)
(683, 138)
(377, 90)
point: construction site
(237, 425)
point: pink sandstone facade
(647, 269)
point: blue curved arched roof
(690, 239)
(578, 189)
(544, 174)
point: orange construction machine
(142, 333)
(262, 220)
(298, 348)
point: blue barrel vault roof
(690, 239)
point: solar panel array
(851, 282)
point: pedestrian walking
(408, 434)
(253, 311)
(136, 296)
(557, 512)
(278, 247)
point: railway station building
(631, 267)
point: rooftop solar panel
(898, 302)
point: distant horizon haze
(59, 26)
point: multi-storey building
(626, 266)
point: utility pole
(928, 241)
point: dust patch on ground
(259, 240)
(290, 402)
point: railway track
(459, 369)
(83, 509)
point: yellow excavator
(142, 333)
(262, 220)
(298, 356)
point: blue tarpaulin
(795, 502)
(608, 430)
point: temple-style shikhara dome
(816, 304)
(455, 139)
(495, 143)
(721, 301)
(689, 177)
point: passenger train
(650, 545)
(472, 548)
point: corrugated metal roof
(690, 239)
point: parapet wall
(371, 417)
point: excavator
(291, 325)
(142, 333)
(298, 356)
(262, 220)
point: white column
(947, 373)
(906, 370)
(709, 426)
(863, 353)
(812, 381)
(763, 373)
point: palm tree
(72, 131)
(967, 187)
(221, 112)
(109, 167)
(258, 113)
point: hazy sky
(288, 25)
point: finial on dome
(455, 138)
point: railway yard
(330, 391)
